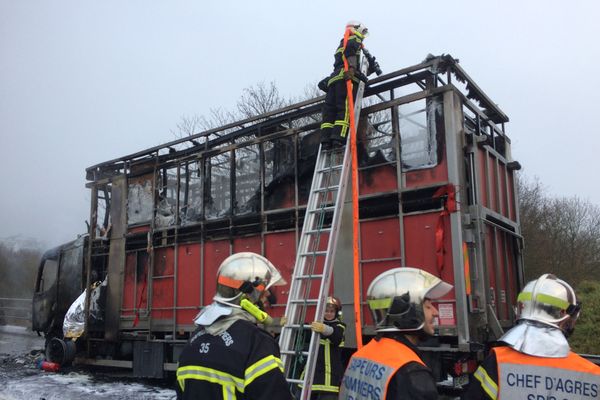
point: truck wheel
(60, 351)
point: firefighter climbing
(326, 197)
(346, 73)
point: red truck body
(437, 191)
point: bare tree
(187, 126)
(533, 202)
(260, 99)
(562, 235)
(255, 100)
(311, 91)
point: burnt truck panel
(436, 191)
(59, 282)
(116, 258)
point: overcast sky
(83, 82)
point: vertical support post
(116, 258)
(88, 256)
(453, 123)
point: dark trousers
(336, 114)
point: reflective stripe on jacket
(240, 363)
(329, 367)
(524, 376)
(372, 367)
(349, 53)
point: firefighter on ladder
(534, 360)
(329, 367)
(229, 356)
(335, 124)
(389, 366)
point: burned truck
(437, 190)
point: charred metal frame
(466, 106)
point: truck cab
(60, 280)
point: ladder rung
(315, 231)
(330, 168)
(313, 276)
(296, 381)
(326, 208)
(296, 326)
(314, 253)
(304, 301)
(294, 353)
(327, 189)
(335, 150)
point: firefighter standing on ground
(329, 367)
(389, 366)
(534, 360)
(336, 116)
(228, 356)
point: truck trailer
(437, 191)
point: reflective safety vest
(372, 367)
(521, 376)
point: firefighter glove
(361, 77)
(319, 327)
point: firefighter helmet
(245, 273)
(357, 27)
(551, 301)
(396, 298)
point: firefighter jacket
(329, 367)
(509, 374)
(241, 362)
(388, 368)
(350, 53)
(335, 120)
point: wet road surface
(20, 349)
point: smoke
(19, 259)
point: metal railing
(15, 311)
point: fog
(83, 82)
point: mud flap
(148, 359)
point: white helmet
(549, 300)
(358, 28)
(396, 298)
(245, 273)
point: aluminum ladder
(315, 258)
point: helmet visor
(437, 291)
(545, 306)
(275, 279)
(379, 309)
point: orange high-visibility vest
(372, 367)
(521, 376)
